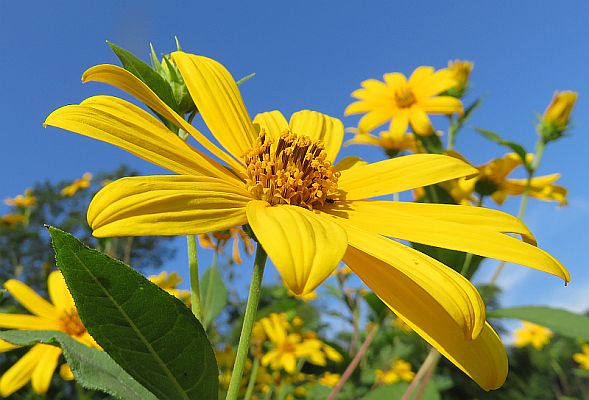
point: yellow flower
(22, 201)
(493, 180)
(305, 297)
(329, 379)
(558, 112)
(400, 371)
(218, 240)
(169, 282)
(39, 364)
(392, 143)
(405, 101)
(11, 219)
(461, 70)
(76, 185)
(278, 177)
(583, 357)
(531, 334)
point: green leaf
(515, 147)
(93, 368)
(148, 332)
(560, 321)
(245, 78)
(213, 293)
(376, 305)
(397, 391)
(452, 258)
(148, 75)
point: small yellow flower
(400, 371)
(39, 364)
(558, 112)
(583, 357)
(329, 379)
(218, 240)
(20, 200)
(77, 185)
(11, 219)
(169, 282)
(405, 101)
(493, 180)
(531, 334)
(461, 70)
(392, 143)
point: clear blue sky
(313, 54)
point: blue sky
(313, 54)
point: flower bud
(557, 115)
(461, 70)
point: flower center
(404, 97)
(294, 171)
(71, 323)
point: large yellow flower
(279, 178)
(39, 363)
(405, 101)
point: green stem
(252, 382)
(524, 200)
(194, 284)
(423, 376)
(248, 323)
(451, 133)
(466, 266)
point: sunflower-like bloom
(77, 185)
(39, 363)
(582, 358)
(405, 101)
(399, 371)
(392, 143)
(329, 379)
(461, 70)
(493, 180)
(533, 335)
(22, 201)
(278, 177)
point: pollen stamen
(293, 171)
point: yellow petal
(399, 174)
(125, 125)
(441, 105)
(219, 101)
(20, 373)
(420, 122)
(363, 138)
(29, 322)
(395, 79)
(7, 346)
(167, 205)
(380, 217)
(375, 118)
(305, 247)
(360, 107)
(423, 290)
(400, 122)
(273, 123)
(43, 372)
(421, 74)
(440, 81)
(124, 80)
(59, 293)
(321, 127)
(30, 300)
(349, 162)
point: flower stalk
(194, 282)
(248, 323)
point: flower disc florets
(404, 97)
(72, 324)
(294, 171)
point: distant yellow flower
(400, 371)
(583, 357)
(39, 364)
(169, 282)
(392, 143)
(558, 112)
(493, 180)
(531, 334)
(278, 177)
(405, 102)
(218, 240)
(11, 219)
(461, 70)
(22, 201)
(329, 379)
(77, 185)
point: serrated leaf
(92, 368)
(213, 293)
(148, 332)
(560, 321)
(144, 72)
(515, 147)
